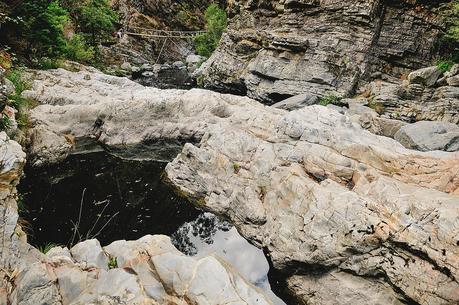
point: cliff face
(160, 15)
(276, 49)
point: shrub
(42, 23)
(45, 248)
(112, 263)
(216, 23)
(6, 61)
(330, 99)
(16, 76)
(449, 43)
(16, 100)
(78, 50)
(46, 63)
(445, 65)
(4, 122)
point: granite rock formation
(277, 49)
(346, 215)
(147, 271)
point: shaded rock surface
(277, 49)
(351, 214)
(427, 136)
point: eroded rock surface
(353, 215)
(277, 49)
(426, 136)
(147, 271)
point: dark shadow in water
(121, 199)
(125, 199)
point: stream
(97, 195)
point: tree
(43, 26)
(216, 23)
(96, 20)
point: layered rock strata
(276, 49)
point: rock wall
(349, 217)
(275, 49)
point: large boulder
(426, 76)
(297, 102)
(426, 136)
(412, 102)
(370, 120)
(347, 215)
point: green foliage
(112, 263)
(445, 65)
(216, 23)
(378, 107)
(16, 76)
(236, 168)
(22, 208)
(46, 63)
(78, 50)
(43, 27)
(16, 100)
(450, 13)
(449, 43)
(330, 99)
(43, 24)
(4, 122)
(96, 20)
(45, 248)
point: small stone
(90, 253)
(297, 102)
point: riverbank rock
(330, 202)
(426, 136)
(147, 271)
(273, 50)
(414, 99)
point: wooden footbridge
(153, 33)
(161, 35)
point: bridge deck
(153, 33)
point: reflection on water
(111, 199)
(210, 235)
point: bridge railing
(154, 33)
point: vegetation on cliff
(450, 41)
(47, 30)
(216, 23)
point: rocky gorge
(276, 49)
(337, 170)
(349, 216)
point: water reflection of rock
(208, 234)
